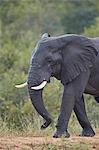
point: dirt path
(41, 143)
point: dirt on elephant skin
(48, 143)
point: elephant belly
(91, 90)
(93, 83)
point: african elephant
(74, 60)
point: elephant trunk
(37, 101)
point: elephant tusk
(39, 87)
(21, 85)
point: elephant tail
(97, 99)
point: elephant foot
(87, 133)
(59, 134)
(46, 124)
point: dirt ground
(31, 143)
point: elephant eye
(49, 60)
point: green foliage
(78, 15)
(21, 25)
(52, 97)
(8, 56)
(93, 31)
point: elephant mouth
(39, 85)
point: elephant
(74, 60)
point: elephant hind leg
(97, 99)
(81, 115)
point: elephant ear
(79, 55)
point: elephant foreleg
(72, 92)
(65, 112)
(81, 115)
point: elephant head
(63, 57)
(45, 62)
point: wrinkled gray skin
(74, 60)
